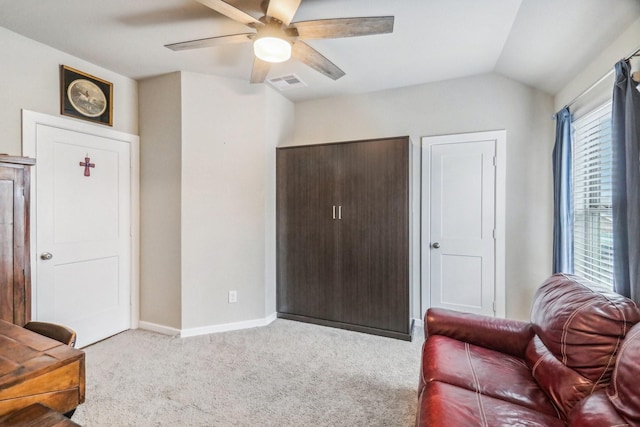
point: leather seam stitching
(477, 386)
(535, 366)
(565, 330)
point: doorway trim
(500, 138)
(30, 122)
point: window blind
(593, 218)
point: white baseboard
(226, 327)
(205, 330)
(161, 329)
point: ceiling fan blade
(232, 12)
(260, 70)
(283, 10)
(344, 27)
(314, 59)
(211, 41)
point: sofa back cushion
(579, 329)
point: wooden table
(37, 369)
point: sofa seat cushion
(483, 370)
(446, 405)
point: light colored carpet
(284, 374)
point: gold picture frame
(86, 97)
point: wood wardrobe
(343, 235)
(15, 272)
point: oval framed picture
(85, 96)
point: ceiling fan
(276, 38)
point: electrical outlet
(233, 297)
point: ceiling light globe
(272, 49)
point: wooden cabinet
(343, 235)
(15, 273)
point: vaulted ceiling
(542, 43)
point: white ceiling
(542, 43)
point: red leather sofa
(577, 363)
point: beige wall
(485, 102)
(223, 199)
(30, 79)
(279, 127)
(210, 141)
(160, 200)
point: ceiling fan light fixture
(272, 49)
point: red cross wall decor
(87, 164)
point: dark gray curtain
(626, 182)
(562, 195)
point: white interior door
(83, 238)
(463, 223)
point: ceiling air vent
(290, 81)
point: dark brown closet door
(374, 234)
(306, 247)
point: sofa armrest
(503, 335)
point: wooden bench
(36, 415)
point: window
(593, 218)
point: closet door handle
(340, 212)
(334, 211)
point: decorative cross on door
(87, 164)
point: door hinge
(494, 234)
(495, 161)
(494, 307)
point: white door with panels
(463, 222)
(83, 237)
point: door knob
(46, 256)
(436, 245)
